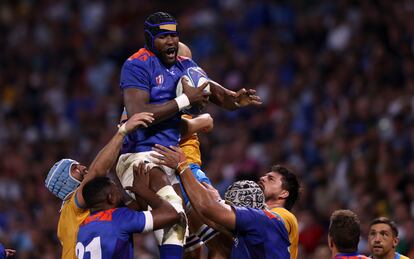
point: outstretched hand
(142, 119)
(141, 178)
(247, 97)
(171, 157)
(10, 252)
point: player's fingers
(157, 156)
(135, 169)
(129, 188)
(175, 148)
(255, 97)
(204, 85)
(257, 102)
(143, 124)
(141, 167)
(163, 148)
(147, 118)
(151, 119)
(241, 91)
(251, 91)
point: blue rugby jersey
(259, 234)
(108, 234)
(350, 256)
(144, 71)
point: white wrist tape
(182, 101)
(122, 130)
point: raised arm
(162, 212)
(232, 100)
(203, 198)
(106, 158)
(188, 127)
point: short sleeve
(132, 221)
(134, 75)
(73, 203)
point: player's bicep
(135, 100)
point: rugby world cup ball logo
(195, 73)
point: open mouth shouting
(170, 54)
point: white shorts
(124, 167)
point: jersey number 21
(94, 248)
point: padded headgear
(157, 24)
(245, 194)
(59, 180)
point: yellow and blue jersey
(350, 256)
(291, 224)
(400, 256)
(144, 71)
(191, 149)
(108, 233)
(71, 216)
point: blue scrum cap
(246, 194)
(157, 24)
(59, 180)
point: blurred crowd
(336, 77)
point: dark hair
(96, 190)
(344, 230)
(290, 183)
(387, 221)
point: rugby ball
(196, 77)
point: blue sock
(171, 252)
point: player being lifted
(148, 82)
